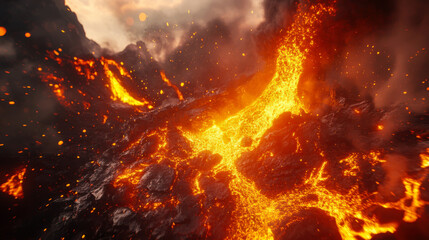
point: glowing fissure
(87, 68)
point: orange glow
(119, 93)
(2, 31)
(351, 162)
(27, 34)
(255, 214)
(57, 87)
(114, 72)
(411, 204)
(253, 208)
(166, 80)
(85, 68)
(104, 119)
(142, 17)
(13, 186)
(425, 159)
(132, 176)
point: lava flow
(285, 149)
(253, 208)
(255, 214)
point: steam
(162, 25)
(7, 50)
(389, 64)
(395, 168)
(407, 40)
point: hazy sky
(116, 23)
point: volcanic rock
(214, 190)
(188, 218)
(384, 236)
(386, 215)
(125, 217)
(157, 178)
(309, 224)
(283, 157)
(205, 160)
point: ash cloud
(165, 22)
(202, 45)
(388, 64)
(407, 40)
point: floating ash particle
(2, 31)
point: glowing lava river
(294, 159)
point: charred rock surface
(309, 223)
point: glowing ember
(142, 17)
(425, 159)
(57, 86)
(13, 186)
(2, 31)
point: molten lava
(197, 161)
(118, 91)
(254, 209)
(176, 89)
(13, 186)
(255, 215)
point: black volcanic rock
(205, 160)
(310, 223)
(145, 73)
(158, 178)
(188, 218)
(279, 163)
(51, 23)
(384, 236)
(215, 189)
(386, 215)
(126, 217)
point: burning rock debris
(314, 125)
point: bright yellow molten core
(255, 211)
(118, 91)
